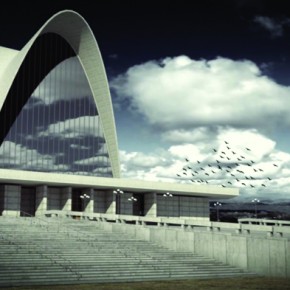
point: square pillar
(110, 200)
(11, 198)
(66, 197)
(41, 200)
(150, 204)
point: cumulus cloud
(181, 93)
(100, 161)
(253, 170)
(74, 128)
(20, 157)
(65, 81)
(275, 27)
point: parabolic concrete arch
(71, 27)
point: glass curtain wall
(58, 129)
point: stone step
(44, 255)
(110, 279)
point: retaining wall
(269, 256)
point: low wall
(268, 256)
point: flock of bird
(228, 162)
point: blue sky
(186, 79)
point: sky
(200, 92)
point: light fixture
(132, 198)
(118, 191)
(84, 196)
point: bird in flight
(186, 159)
(248, 149)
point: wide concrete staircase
(51, 251)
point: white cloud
(17, 156)
(256, 165)
(180, 93)
(96, 160)
(187, 135)
(74, 128)
(69, 82)
(275, 27)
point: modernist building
(58, 137)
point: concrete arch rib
(75, 30)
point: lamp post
(217, 205)
(83, 198)
(256, 201)
(118, 193)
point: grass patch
(263, 283)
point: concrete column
(150, 204)
(41, 200)
(89, 203)
(66, 199)
(110, 199)
(11, 200)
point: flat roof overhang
(9, 176)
